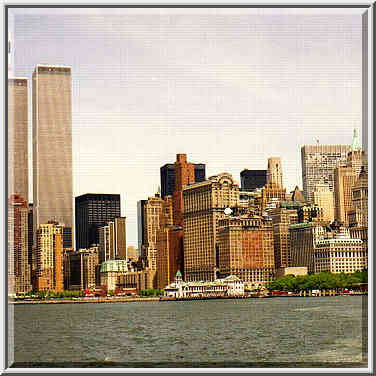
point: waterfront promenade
(85, 300)
(121, 299)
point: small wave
(307, 309)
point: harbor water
(276, 332)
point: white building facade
(341, 254)
(229, 286)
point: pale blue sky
(229, 87)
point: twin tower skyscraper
(51, 140)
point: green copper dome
(356, 145)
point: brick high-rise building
(52, 145)
(156, 248)
(245, 249)
(152, 217)
(274, 172)
(282, 218)
(184, 174)
(18, 172)
(19, 277)
(112, 240)
(49, 258)
(168, 177)
(252, 179)
(318, 164)
(204, 205)
(165, 256)
(344, 180)
(30, 228)
(93, 210)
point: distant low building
(110, 271)
(229, 286)
(137, 280)
(296, 271)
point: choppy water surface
(277, 332)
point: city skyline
(175, 102)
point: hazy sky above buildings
(228, 87)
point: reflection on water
(278, 332)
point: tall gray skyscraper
(52, 145)
(18, 171)
(318, 164)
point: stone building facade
(344, 180)
(49, 258)
(311, 213)
(19, 271)
(153, 210)
(274, 172)
(272, 192)
(204, 205)
(341, 254)
(245, 249)
(110, 271)
(358, 215)
(282, 218)
(136, 279)
(184, 174)
(164, 245)
(324, 198)
(112, 240)
(80, 269)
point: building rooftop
(301, 225)
(114, 266)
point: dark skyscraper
(92, 212)
(141, 223)
(168, 177)
(252, 179)
(199, 172)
